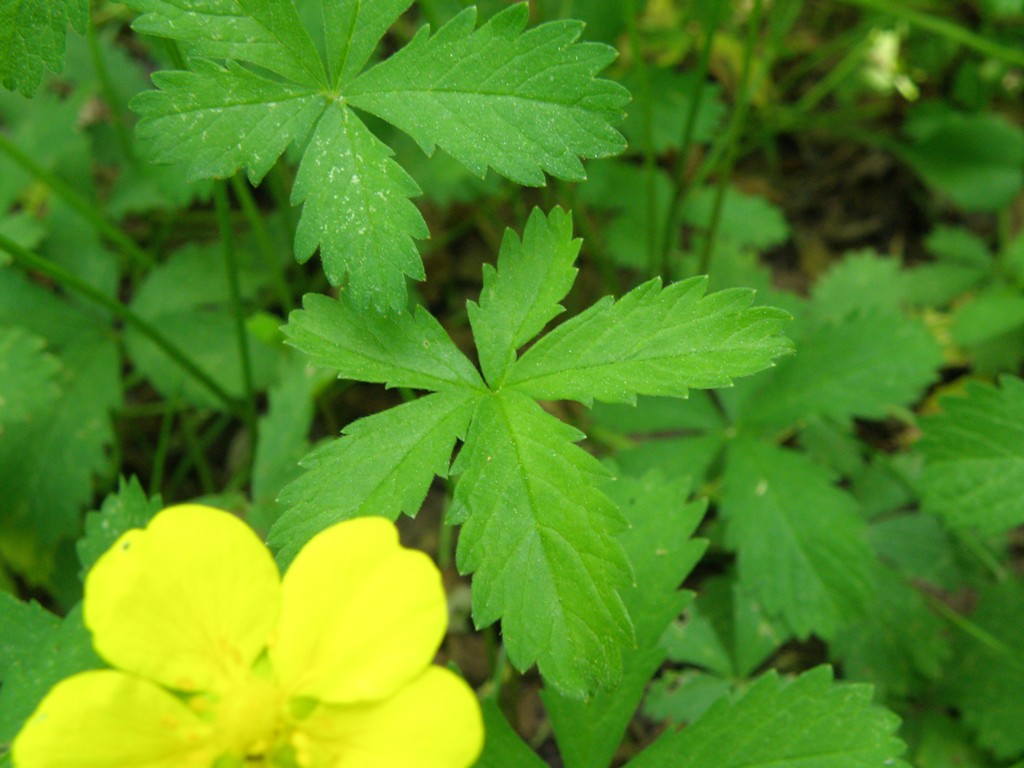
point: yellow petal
(434, 722)
(188, 602)
(107, 719)
(360, 615)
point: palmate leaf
(807, 721)
(539, 537)
(538, 532)
(523, 103)
(974, 458)
(32, 37)
(653, 341)
(802, 546)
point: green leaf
(940, 740)
(400, 350)
(362, 25)
(919, 548)
(217, 119)
(800, 542)
(357, 211)
(962, 260)
(987, 670)
(521, 103)
(522, 295)
(725, 631)
(27, 374)
(975, 159)
(32, 36)
(37, 650)
(128, 508)
(503, 747)
(267, 33)
(382, 465)
(987, 315)
(662, 554)
(683, 696)
(809, 720)
(47, 465)
(653, 341)
(537, 531)
(539, 538)
(865, 365)
(897, 645)
(862, 282)
(974, 458)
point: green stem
(446, 534)
(264, 246)
(647, 122)
(197, 452)
(846, 67)
(163, 443)
(174, 51)
(89, 212)
(109, 95)
(968, 627)
(736, 121)
(679, 185)
(30, 260)
(594, 244)
(227, 236)
(279, 191)
(944, 28)
(985, 557)
(195, 447)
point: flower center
(249, 718)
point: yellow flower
(221, 662)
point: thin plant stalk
(968, 627)
(736, 122)
(647, 122)
(680, 187)
(944, 28)
(71, 281)
(264, 246)
(89, 212)
(227, 237)
(109, 95)
(163, 444)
